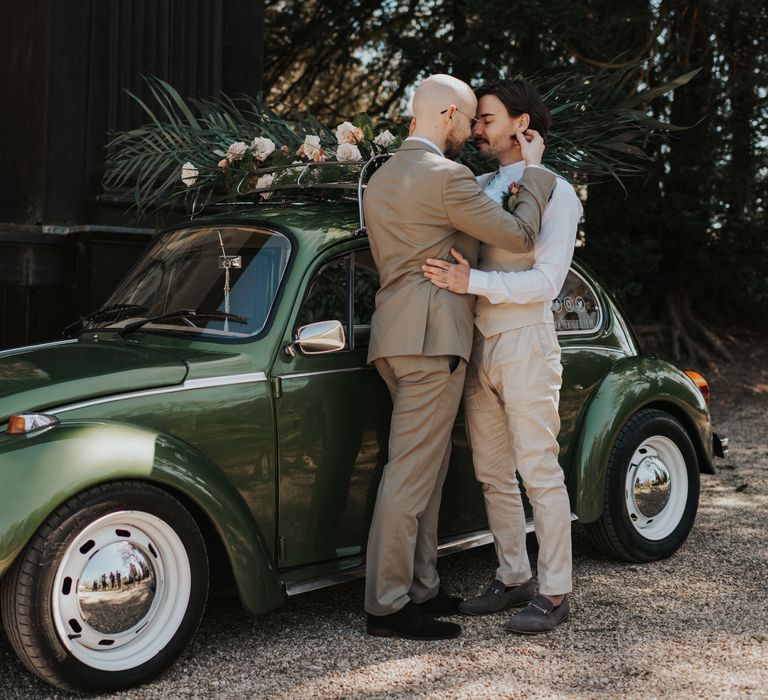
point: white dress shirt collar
(512, 172)
(427, 141)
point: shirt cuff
(536, 165)
(479, 282)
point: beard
(488, 153)
(453, 146)
(493, 148)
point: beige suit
(419, 205)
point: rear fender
(633, 383)
(42, 470)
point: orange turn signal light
(24, 423)
(16, 425)
(701, 383)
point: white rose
(236, 151)
(348, 133)
(265, 181)
(262, 148)
(385, 139)
(348, 152)
(189, 174)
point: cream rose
(348, 133)
(310, 148)
(348, 152)
(262, 148)
(385, 139)
(189, 174)
(264, 181)
(236, 151)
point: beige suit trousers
(402, 543)
(511, 402)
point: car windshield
(231, 270)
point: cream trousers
(511, 402)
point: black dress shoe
(441, 604)
(411, 622)
(498, 597)
(539, 616)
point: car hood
(46, 376)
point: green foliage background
(690, 235)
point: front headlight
(30, 422)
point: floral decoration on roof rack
(205, 152)
(208, 151)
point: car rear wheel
(109, 591)
(651, 490)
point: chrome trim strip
(226, 380)
(325, 371)
(315, 584)
(24, 348)
(189, 385)
(475, 539)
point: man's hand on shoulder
(451, 276)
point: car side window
(328, 298)
(577, 309)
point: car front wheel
(109, 591)
(651, 490)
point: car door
(332, 417)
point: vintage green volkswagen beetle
(217, 414)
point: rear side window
(577, 309)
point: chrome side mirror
(321, 337)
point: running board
(475, 539)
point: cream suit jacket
(419, 205)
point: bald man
(420, 204)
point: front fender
(40, 471)
(632, 384)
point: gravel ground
(693, 626)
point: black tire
(615, 533)
(27, 591)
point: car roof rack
(357, 185)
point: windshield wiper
(185, 314)
(103, 314)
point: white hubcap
(121, 590)
(656, 489)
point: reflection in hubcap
(652, 486)
(117, 588)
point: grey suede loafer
(539, 616)
(496, 598)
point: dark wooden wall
(65, 69)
